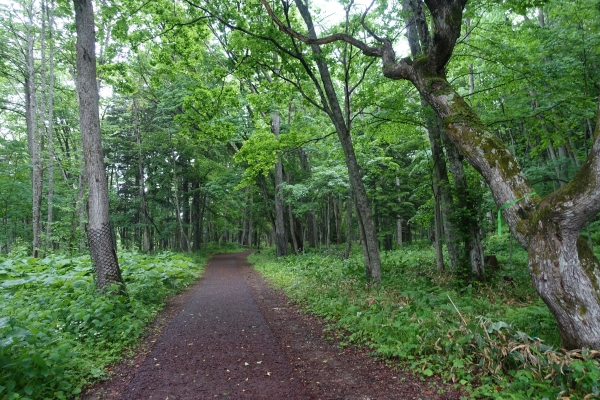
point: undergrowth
(58, 333)
(494, 339)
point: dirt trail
(235, 337)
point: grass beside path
(494, 339)
(58, 334)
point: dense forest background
(231, 123)
(187, 110)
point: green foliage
(497, 339)
(57, 333)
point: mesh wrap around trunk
(104, 256)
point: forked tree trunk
(564, 270)
(102, 247)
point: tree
(564, 270)
(102, 246)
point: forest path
(235, 337)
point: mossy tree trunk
(565, 272)
(461, 228)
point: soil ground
(233, 336)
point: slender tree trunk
(348, 226)
(469, 225)
(398, 219)
(33, 138)
(328, 224)
(443, 198)
(142, 181)
(184, 241)
(337, 215)
(280, 237)
(250, 222)
(102, 248)
(330, 102)
(311, 223)
(48, 12)
(244, 219)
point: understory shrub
(57, 332)
(495, 339)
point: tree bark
(50, 119)
(250, 222)
(565, 272)
(468, 225)
(342, 126)
(142, 181)
(280, 239)
(33, 138)
(348, 226)
(102, 248)
(398, 219)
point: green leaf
(4, 322)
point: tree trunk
(469, 226)
(348, 226)
(437, 240)
(398, 219)
(142, 191)
(462, 232)
(33, 138)
(280, 240)
(342, 126)
(49, 116)
(102, 247)
(563, 268)
(184, 244)
(250, 222)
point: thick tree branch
(366, 49)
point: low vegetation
(494, 339)
(57, 333)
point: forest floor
(231, 335)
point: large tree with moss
(565, 272)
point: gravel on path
(233, 336)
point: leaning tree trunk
(564, 270)
(330, 102)
(549, 229)
(102, 246)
